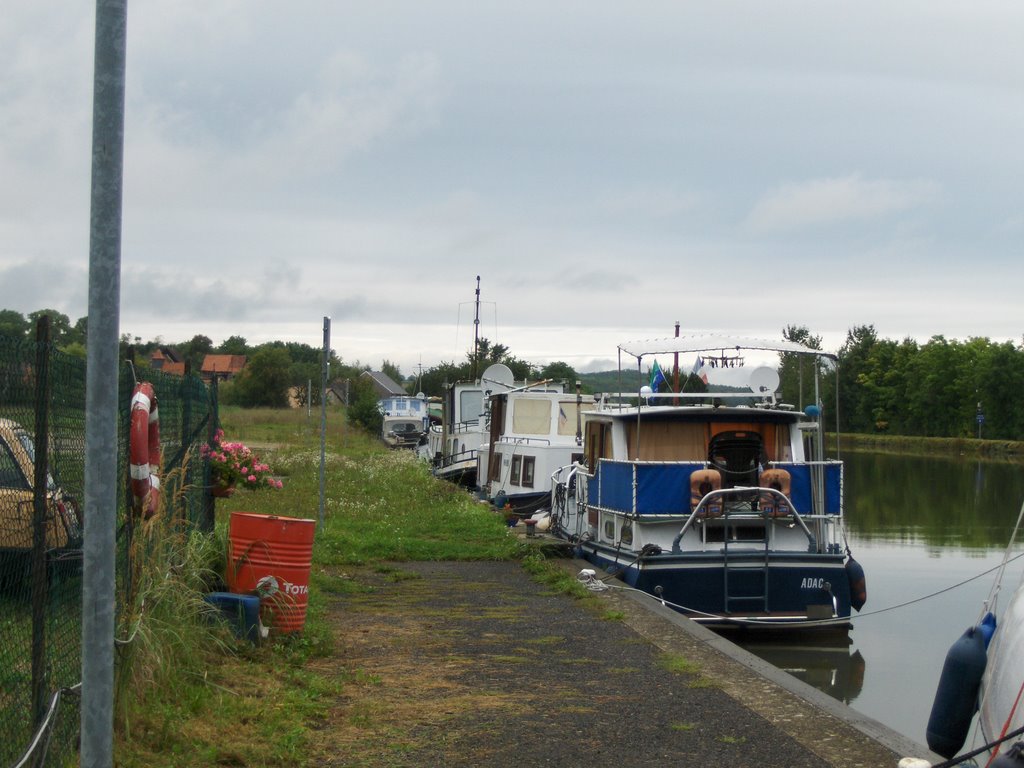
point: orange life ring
(144, 449)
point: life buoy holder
(144, 450)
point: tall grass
(193, 696)
(164, 629)
(379, 504)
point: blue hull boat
(721, 504)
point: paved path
(476, 664)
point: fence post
(324, 376)
(208, 517)
(39, 499)
(186, 439)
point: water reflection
(838, 671)
(829, 662)
(939, 501)
(925, 529)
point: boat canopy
(688, 344)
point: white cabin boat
(533, 431)
(405, 421)
(452, 446)
(721, 504)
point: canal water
(926, 531)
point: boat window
(399, 427)
(667, 441)
(748, 533)
(626, 533)
(531, 417)
(471, 405)
(598, 443)
(495, 466)
(609, 528)
(717, 533)
(517, 468)
(528, 465)
(568, 414)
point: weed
(679, 664)
(547, 640)
(732, 739)
(702, 682)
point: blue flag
(657, 377)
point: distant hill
(612, 381)
(630, 381)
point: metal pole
(101, 482)
(324, 366)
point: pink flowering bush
(235, 465)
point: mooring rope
(599, 585)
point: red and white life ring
(144, 449)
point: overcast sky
(608, 169)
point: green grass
(197, 697)
(679, 664)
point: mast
(476, 331)
(675, 369)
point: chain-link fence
(42, 413)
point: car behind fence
(42, 524)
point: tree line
(941, 388)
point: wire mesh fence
(42, 414)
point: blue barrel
(956, 698)
(241, 612)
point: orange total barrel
(271, 556)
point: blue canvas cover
(661, 489)
(800, 487)
(614, 480)
(664, 489)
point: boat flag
(657, 377)
(698, 369)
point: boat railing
(443, 462)
(463, 426)
(570, 470)
(621, 400)
(523, 440)
(717, 499)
